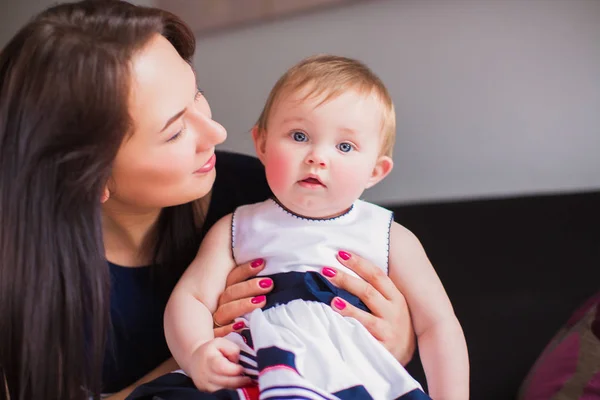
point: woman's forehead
(162, 84)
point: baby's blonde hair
(330, 76)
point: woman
(107, 153)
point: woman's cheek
(169, 167)
(182, 154)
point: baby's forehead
(350, 112)
(311, 97)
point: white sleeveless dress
(297, 346)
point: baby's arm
(188, 316)
(442, 345)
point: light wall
(494, 98)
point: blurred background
(494, 98)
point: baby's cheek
(278, 171)
(348, 181)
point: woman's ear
(259, 143)
(105, 195)
(383, 167)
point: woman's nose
(209, 133)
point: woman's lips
(210, 164)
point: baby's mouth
(312, 181)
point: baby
(325, 135)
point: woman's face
(169, 158)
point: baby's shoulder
(403, 239)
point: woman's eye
(300, 137)
(345, 147)
(176, 136)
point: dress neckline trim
(302, 217)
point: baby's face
(319, 158)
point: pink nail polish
(265, 283)
(238, 325)
(344, 255)
(258, 299)
(328, 272)
(257, 263)
(339, 304)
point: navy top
(137, 343)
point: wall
(494, 98)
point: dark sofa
(515, 269)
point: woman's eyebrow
(173, 119)
(180, 113)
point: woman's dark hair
(64, 90)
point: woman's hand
(241, 295)
(390, 321)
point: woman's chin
(202, 185)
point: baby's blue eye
(299, 136)
(345, 147)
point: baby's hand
(214, 366)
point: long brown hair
(64, 89)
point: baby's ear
(259, 143)
(382, 168)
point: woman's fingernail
(238, 325)
(265, 283)
(257, 263)
(329, 272)
(339, 304)
(258, 299)
(344, 255)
